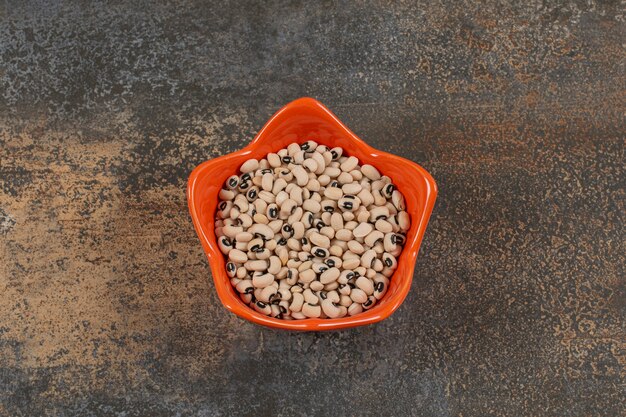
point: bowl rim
(212, 251)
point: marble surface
(516, 108)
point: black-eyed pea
(237, 256)
(404, 221)
(310, 297)
(320, 161)
(319, 267)
(367, 258)
(325, 216)
(298, 230)
(293, 148)
(365, 284)
(344, 178)
(310, 165)
(360, 271)
(281, 197)
(274, 264)
(245, 220)
(295, 216)
(392, 209)
(292, 276)
(336, 153)
(273, 160)
(267, 293)
(306, 276)
(371, 272)
(332, 286)
(263, 231)
(381, 282)
(366, 197)
(282, 274)
(389, 260)
(362, 230)
(327, 231)
(329, 205)
(249, 166)
(311, 310)
(316, 286)
(245, 286)
(344, 235)
(257, 265)
(320, 240)
(349, 203)
(319, 252)
(336, 221)
(345, 300)
(246, 298)
(293, 244)
(332, 296)
(331, 309)
(351, 263)
(231, 270)
(224, 209)
(371, 300)
(373, 237)
(370, 172)
(356, 175)
(262, 254)
(298, 157)
(262, 281)
(398, 200)
(324, 180)
(351, 225)
(312, 206)
(333, 262)
(335, 250)
(296, 302)
(329, 275)
(231, 231)
(349, 164)
(343, 245)
(378, 265)
(332, 172)
(348, 216)
(344, 289)
(226, 195)
(257, 181)
(363, 216)
(383, 226)
(358, 295)
(354, 309)
(355, 247)
(225, 244)
(242, 272)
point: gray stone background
(515, 107)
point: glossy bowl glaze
(301, 120)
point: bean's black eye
(367, 303)
(226, 242)
(244, 185)
(328, 208)
(334, 154)
(287, 228)
(320, 253)
(304, 241)
(350, 275)
(252, 194)
(390, 189)
(232, 182)
(282, 309)
(246, 177)
(282, 241)
(230, 267)
(266, 171)
(335, 184)
(305, 146)
(249, 290)
(380, 286)
(286, 159)
(347, 205)
(273, 212)
(323, 295)
(330, 262)
(351, 197)
(261, 304)
(223, 205)
(322, 269)
(388, 262)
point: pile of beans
(308, 232)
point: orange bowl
(301, 120)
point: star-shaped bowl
(301, 120)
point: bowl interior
(302, 120)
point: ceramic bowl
(301, 120)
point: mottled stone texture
(517, 109)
